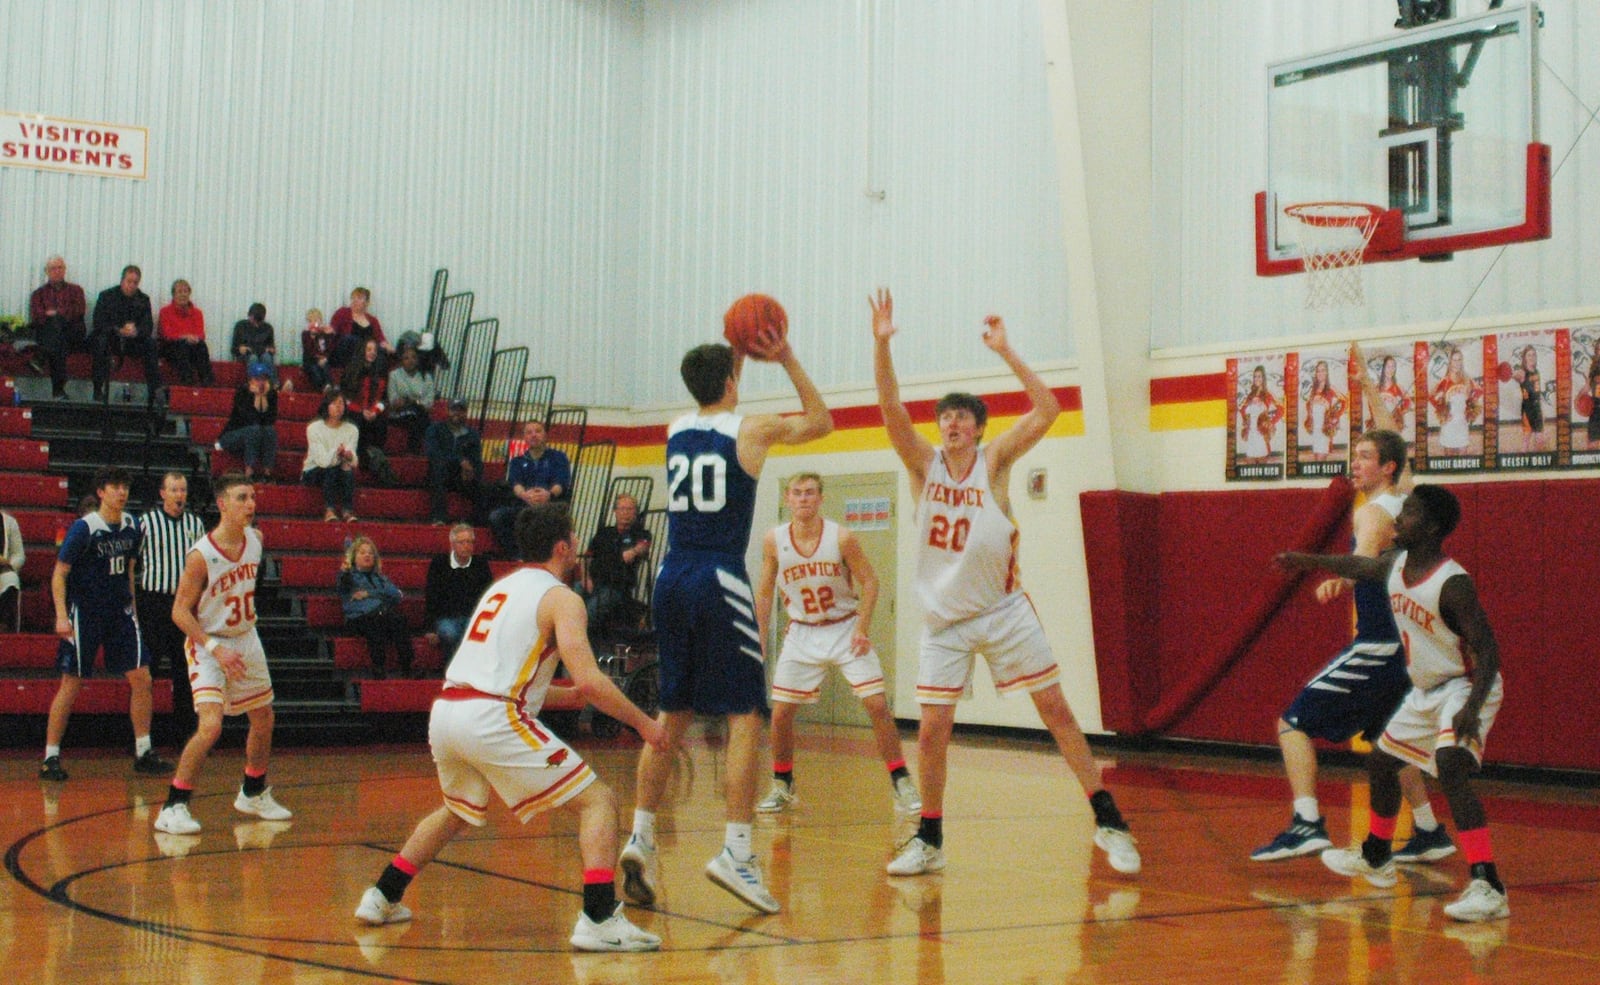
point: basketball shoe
(1479, 902)
(1350, 862)
(917, 858)
(376, 910)
(175, 819)
(780, 798)
(614, 933)
(742, 879)
(641, 871)
(262, 805)
(1426, 846)
(1120, 851)
(1301, 837)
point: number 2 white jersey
(228, 602)
(816, 587)
(503, 653)
(1433, 651)
(967, 555)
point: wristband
(211, 646)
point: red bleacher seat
(42, 526)
(397, 504)
(36, 490)
(40, 564)
(350, 653)
(417, 696)
(283, 534)
(16, 422)
(100, 696)
(25, 453)
(326, 612)
(30, 651)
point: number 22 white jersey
(816, 587)
(967, 555)
(228, 602)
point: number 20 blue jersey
(711, 500)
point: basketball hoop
(1333, 241)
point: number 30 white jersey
(816, 587)
(967, 557)
(228, 602)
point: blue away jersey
(100, 555)
(711, 500)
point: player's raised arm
(1035, 424)
(760, 432)
(565, 612)
(914, 450)
(764, 586)
(865, 580)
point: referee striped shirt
(166, 543)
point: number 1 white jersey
(967, 555)
(502, 653)
(228, 602)
(816, 587)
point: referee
(168, 534)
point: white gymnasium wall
(299, 149)
(814, 150)
(1209, 108)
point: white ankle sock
(737, 841)
(1306, 808)
(141, 745)
(1422, 818)
(644, 827)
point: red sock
(399, 862)
(1475, 845)
(1382, 827)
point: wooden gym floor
(92, 895)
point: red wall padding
(1173, 580)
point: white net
(1333, 239)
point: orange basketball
(748, 316)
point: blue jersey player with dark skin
(710, 648)
(93, 590)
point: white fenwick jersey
(1433, 651)
(816, 587)
(967, 556)
(502, 652)
(228, 602)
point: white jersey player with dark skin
(215, 608)
(970, 586)
(829, 591)
(486, 737)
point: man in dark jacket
(456, 581)
(124, 323)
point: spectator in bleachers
(410, 396)
(430, 358)
(124, 324)
(456, 581)
(354, 325)
(167, 534)
(455, 460)
(255, 341)
(316, 350)
(182, 328)
(540, 474)
(57, 309)
(331, 446)
(251, 431)
(365, 382)
(13, 555)
(372, 607)
(615, 554)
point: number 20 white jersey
(228, 602)
(967, 557)
(816, 587)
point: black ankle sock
(787, 776)
(1375, 850)
(931, 831)
(1486, 872)
(898, 772)
(1106, 814)
(599, 900)
(176, 796)
(253, 785)
(392, 884)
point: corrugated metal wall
(606, 175)
(1208, 161)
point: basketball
(1584, 405)
(748, 316)
(1505, 372)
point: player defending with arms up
(216, 608)
(485, 735)
(711, 660)
(829, 591)
(968, 580)
(1454, 663)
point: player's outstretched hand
(1329, 590)
(769, 345)
(882, 313)
(994, 333)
